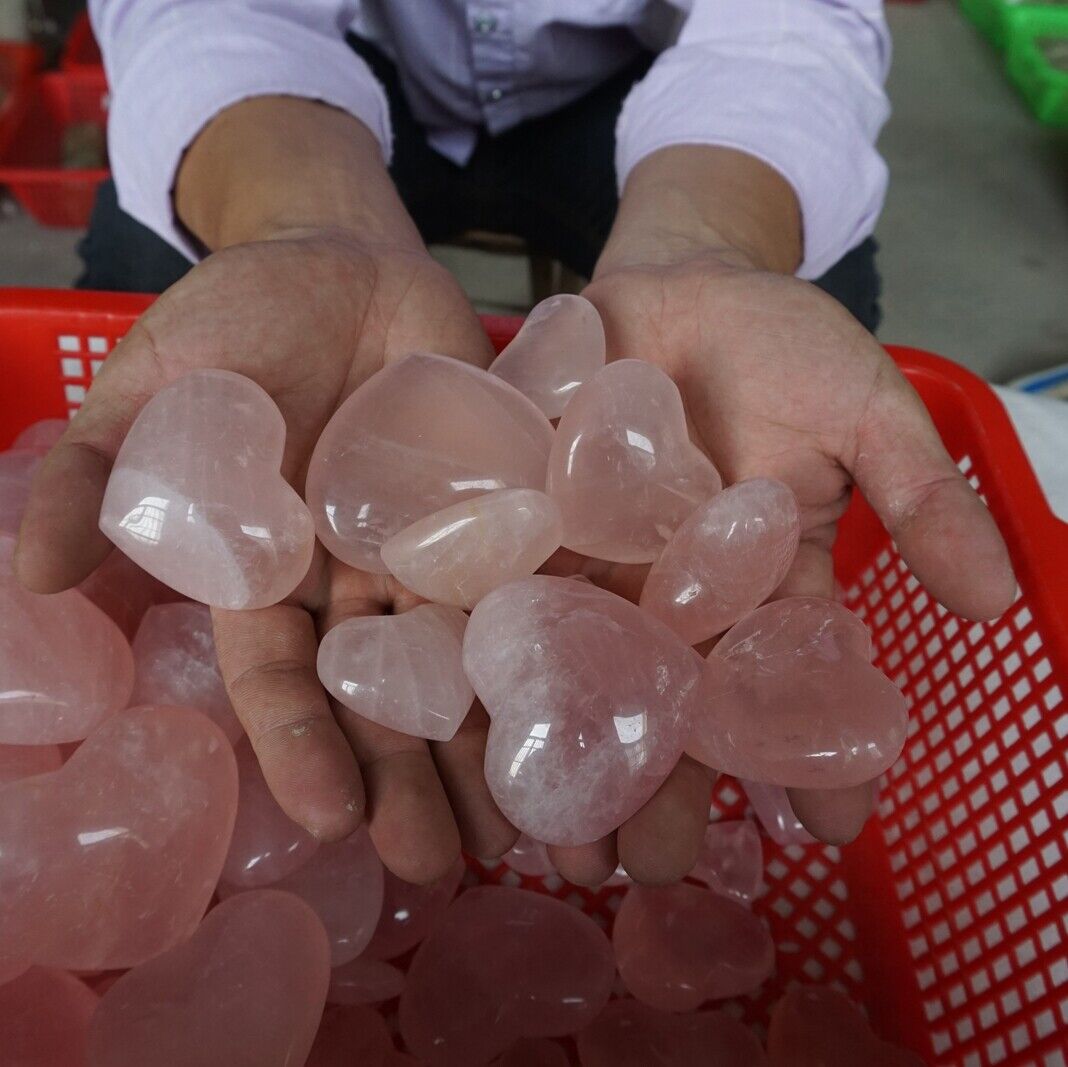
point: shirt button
(485, 24)
(496, 94)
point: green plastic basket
(996, 19)
(1037, 61)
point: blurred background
(974, 238)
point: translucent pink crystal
(410, 912)
(402, 671)
(124, 592)
(41, 436)
(732, 860)
(196, 497)
(533, 1052)
(623, 468)
(589, 698)
(24, 761)
(631, 1034)
(790, 698)
(559, 347)
(175, 663)
(771, 806)
(677, 946)
(44, 1019)
(727, 558)
(352, 1036)
(64, 666)
(113, 858)
(247, 988)
(266, 844)
(530, 857)
(502, 964)
(16, 475)
(421, 434)
(364, 981)
(457, 555)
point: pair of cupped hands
(777, 379)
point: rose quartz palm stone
(732, 860)
(501, 965)
(175, 663)
(790, 698)
(559, 347)
(590, 702)
(44, 1019)
(458, 555)
(533, 1052)
(352, 1036)
(364, 981)
(246, 990)
(24, 761)
(771, 805)
(727, 558)
(64, 665)
(402, 671)
(196, 497)
(419, 435)
(677, 946)
(622, 466)
(113, 858)
(631, 1034)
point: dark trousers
(549, 180)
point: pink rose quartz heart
(410, 912)
(112, 859)
(727, 558)
(402, 671)
(529, 857)
(352, 1036)
(64, 666)
(458, 555)
(24, 761)
(590, 702)
(16, 476)
(41, 436)
(124, 592)
(44, 1019)
(421, 434)
(175, 663)
(502, 964)
(246, 990)
(631, 1034)
(790, 698)
(732, 860)
(266, 844)
(771, 805)
(677, 946)
(559, 347)
(623, 468)
(196, 497)
(533, 1052)
(364, 981)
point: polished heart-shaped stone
(790, 698)
(196, 497)
(40, 436)
(458, 555)
(64, 665)
(559, 347)
(529, 857)
(247, 988)
(590, 701)
(623, 468)
(353, 1035)
(44, 1019)
(732, 860)
(773, 810)
(113, 858)
(364, 981)
(24, 761)
(16, 476)
(502, 964)
(420, 435)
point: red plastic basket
(30, 162)
(81, 52)
(948, 918)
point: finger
(660, 843)
(588, 865)
(834, 816)
(267, 659)
(484, 831)
(943, 530)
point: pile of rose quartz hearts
(453, 480)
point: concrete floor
(974, 237)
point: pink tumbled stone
(410, 912)
(41, 436)
(677, 946)
(175, 663)
(196, 498)
(124, 592)
(789, 697)
(501, 965)
(364, 981)
(533, 1052)
(559, 347)
(352, 1036)
(727, 558)
(16, 476)
(631, 1034)
(24, 761)
(113, 858)
(419, 435)
(771, 805)
(402, 671)
(44, 1019)
(247, 988)
(266, 844)
(623, 469)
(529, 857)
(590, 703)
(64, 666)
(458, 555)
(732, 860)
